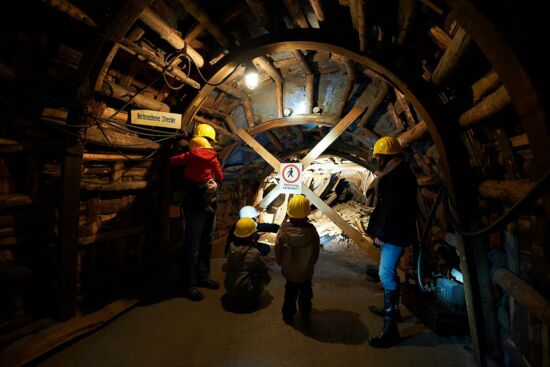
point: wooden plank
(258, 148)
(320, 120)
(336, 131)
(268, 199)
(119, 186)
(405, 15)
(110, 89)
(110, 157)
(296, 13)
(363, 242)
(489, 106)
(68, 230)
(196, 10)
(441, 39)
(524, 293)
(13, 200)
(247, 107)
(166, 32)
(510, 191)
(317, 9)
(72, 11)
(380, 96)
(120, 140)
(405, 107)
(486, 84)
(413, 134)
(450, 59)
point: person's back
(297, 249)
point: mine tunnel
(293, 96)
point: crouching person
(297, 249)
(247, 274)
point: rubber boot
(381, 311)
(389, 335)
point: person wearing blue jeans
(393, 225)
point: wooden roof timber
(296, 13)
(194, 8)
(317, 9)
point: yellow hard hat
(386, 145)
(199, 142)
(298, 207)
(245, 227)
(206, 131)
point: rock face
(355, 213)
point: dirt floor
(170, 330)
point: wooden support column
(113, 90)
(296, 13)
(450, 59)
(361, 25)
(405, 14)
(154, 22)
(336, 131)
(318, 10)
(247, 107)
(309, 79)
(413, 134)
(350, 71)
(489, 106)
(194, 8)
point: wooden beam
(259, 8)
(361, 25)
(489, 106)
(524, 293)
(268, 199)
(117, 139)
(320, 120)
(158, 63)
(413, 134)
(259, 149)
(405, 107)
(364, 243)
(264, 64)
(353, 7)
(486, 84)
(405, 15)
(318, 10)
(230, 122)
(247, 107)
(397, 123)
(309, 79)
(337, 130)
(166, 32)
(110, 157)
(509, 191)
(350, 82)
(450, 59)
(195, 9)
(125, 19)
(298, 55)
(110, 89)
(296, 13)
(119, 186)
(441, 39)
(72, 11)
(213, 112)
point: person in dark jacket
(251, 212)
(393, 224)
(199, 203)
(297, 249)
(247, 274)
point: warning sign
(291, 178)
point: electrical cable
(137, 129)
(206, 81)
(540, 188)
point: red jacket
(200, 164)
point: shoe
(389, 335)
(193, 294)
(209, 284)
(379, 311)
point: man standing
(199, 230)
(393, 224)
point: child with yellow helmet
(297, 248)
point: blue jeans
(199, 231)
(389, 259)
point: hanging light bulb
(251, 77)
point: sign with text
(156, 118)
(291, 178)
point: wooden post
(350, 71)
(247, 107)
(488, 107)
(68, 225)
(361, 25)
(169, 35)
(193, 8)
(405, 14)
(451, 57)
(487, 83)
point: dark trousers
(301, 292)
(199, 231)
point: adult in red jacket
(201, 177)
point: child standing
(297, 250)
(201, 169)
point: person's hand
(212, 186)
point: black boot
(389, 335)
(381, 311)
